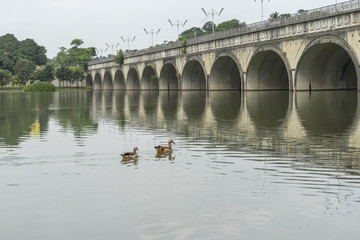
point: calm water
(257, 165)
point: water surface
(255, 165)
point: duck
(164, 149)
(130, 155)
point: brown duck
(165, 149)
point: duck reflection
(167, 155)
(267, 109)
(225, 105)
(326, 112)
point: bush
(39, 87)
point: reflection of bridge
(281, 121)
(316, 50)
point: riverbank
(13, 89)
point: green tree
(75, 56)
(77, 74)
(29, 49)
(63, 73)
(191, 32)
(5, 77)
(208, 26)
(24, 66)
(234, 23)
(76, 42)
(9, 46)
(119, 57)
(274, 15)
(45, 74)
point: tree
(208, 26)
(77, 74)
(28, 49)
(119, 58)
(24, 66)
(11, 50)
(63, 74)
(274, 15)
(234, 23)
(74, 56)
(76, 42)
(45, 74)
(191, 32)
(5, 77)
(9, 46)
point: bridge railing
(287, 19)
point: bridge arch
(119, 80)
(225, 73)
(97, 82)
(268, 69)
(89, 80)
(193, 75)
(327, 63)
(132, 82)
(168, 77)
(149, 80)
(108, 84)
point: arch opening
(193, 77)
(168, 79)
(267, 71)
(97, 82)
(149, 79)
(119, 80)
(89, 81)
(225, 75)
(108, 81)
(326, 66)
(132, 80)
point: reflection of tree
(73, 111)
(20, 113)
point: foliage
(234, 23)
(24, 66)
(119, 57)
(74, 56)
(154, 77)
(5, 77)
(76, 42)
(208, 26)
(274, 15)
(39, 87)
(191, 32)
(11, 50)
(45, 74)
(301, 11)
(63, 73)
(183, 44)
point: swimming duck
(130, 155)
(164, 149)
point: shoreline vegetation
(57, 89)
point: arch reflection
(194, 103)
(327, 112)
(225, 105)
(269, 109)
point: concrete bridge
(315, 50)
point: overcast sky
(55, 23)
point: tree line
(25, 61)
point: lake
(245, 165)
